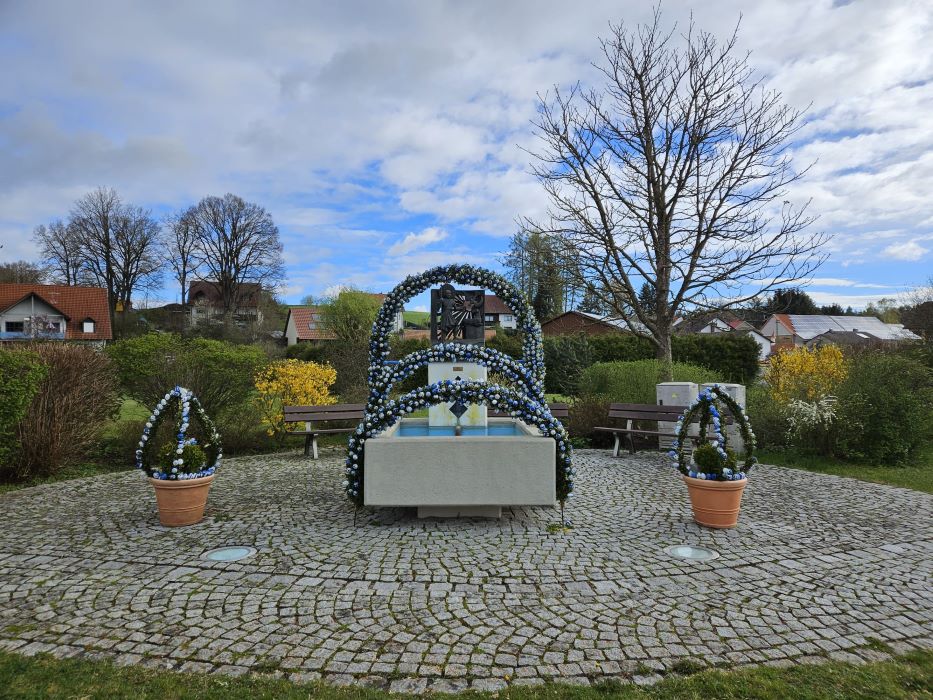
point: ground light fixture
(692, 552)
(232, 553)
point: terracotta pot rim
(711, 484)
(180, 483)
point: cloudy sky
(386, 137)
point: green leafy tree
(349, 316)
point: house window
(55, 326)
(15, 326)
(312, 325)
(88, 326)
(506, 318)
(490, 318)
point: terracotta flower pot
(715, 503)
(181, 502)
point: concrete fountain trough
(503, 463)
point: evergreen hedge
(731, 355)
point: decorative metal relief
(457, 315)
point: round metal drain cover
(687, 551)
(228, 553)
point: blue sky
(385, 138)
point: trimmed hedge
(634, 382)
(733, 356)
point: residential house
(54, 312)
(498, 313)
(305, 325)
(583, 322)
(724, 321)
(798, 330)
(205, 302)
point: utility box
(674, 394)
(733, 434)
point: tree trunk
(663, 353)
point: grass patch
(918, 475)
(909, 676)
(76, 471)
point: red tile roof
(303, 317)
(210, 294)
(75, 303)
(495, 305)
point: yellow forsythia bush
(292, 383)
(805, 375)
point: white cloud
(414, 241)
(908, 250)
(840, 282)
(340, 118)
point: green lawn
(76, 471)
(917, 476)
(909, 676)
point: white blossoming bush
(710, 418)
(524, 401)
(803, 416)
(200, 462)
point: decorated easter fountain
(458, 461)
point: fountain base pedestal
(460, 511)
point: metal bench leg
(615, 448)
(314, 445)
(631, 444)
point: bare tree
(61, 251)
(238, 244)
(137, 263)
(92, 221)
(674, 173)
(117, 245)
(21, 272)
(180, 247)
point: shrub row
(732, 357)
(56, 405)
(219, 373)
(883, 411)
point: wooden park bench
(559, 410)
(315, 416)
(632, 412)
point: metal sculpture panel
(457, 315)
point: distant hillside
(417, 318)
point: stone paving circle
(819, 567)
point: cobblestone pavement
(819, 567)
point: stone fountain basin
(450, 475)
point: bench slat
(321, 431)
(318, 415)
(325, 408)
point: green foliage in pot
(708, 459)
(194, 458)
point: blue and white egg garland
(188, 408)
(518, 405)
(525, 402)
(493, 359)
(533, 352)
(705, 408)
